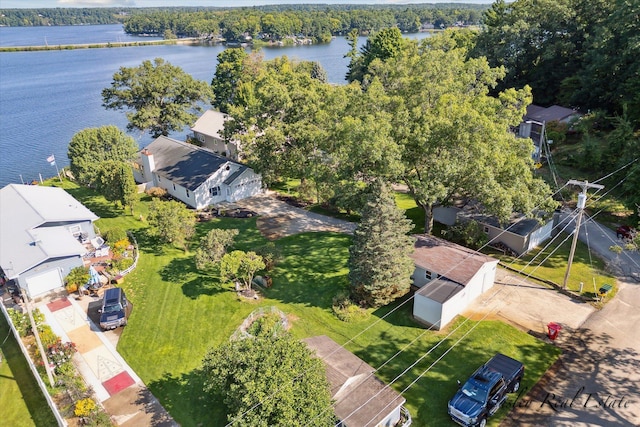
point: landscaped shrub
(115, 235)
(85, 407)
(120, 265)
(60, 353)
(156, 192)
(269, 324)
(21, 320)
(271, 255)
(77, 277)
(346, 310)
(47, 336)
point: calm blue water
(46, 97)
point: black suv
(115, 309)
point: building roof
(440, 290)
(360, 398)
(30, 226)
(518, 223)
(550, 114)
(454, 262)
(211, 123)
(184, 164)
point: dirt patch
(274, 227)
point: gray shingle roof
(184, 164)
(360, 398)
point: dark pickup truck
(486, 390)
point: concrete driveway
(279, 219)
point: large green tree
(454, 136)
(160, 97)
(172, 222)
(214, 246)
(90, 150)
(269, 381)
(382, 45)
(242, 266)
(228, 73)
(116, 183)
(380, 266)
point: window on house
(174, 186)
(214, 191)
(187, 193)
(486, 229)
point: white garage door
(44, 282)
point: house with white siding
(195, 175)
(448, 277)
(43, 231)
(208, 130)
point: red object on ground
(58, 304)
(118, 383)
(553, 328)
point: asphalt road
(596, 381)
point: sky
(32, 4)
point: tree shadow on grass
(194, 282)
(184, 398)
(96, 203)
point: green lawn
(180, 312)
(21, 401)
(586, 267)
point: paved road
(596, 381)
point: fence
(34, 371)
(136, 254)
(242, 333)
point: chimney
(148, 165)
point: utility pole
(582, 200)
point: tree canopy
(159, 97)
(269, 381)
(171, 221)
(379, 264)
(91, 149)
(214, 246)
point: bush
(60, 353)
(269, 324)
(346, 310)
(77, 277)
(85, 407)
(271, 254)
(115, 235)
(469, 234)
(156, 192)
(21, 321)
(121, 265)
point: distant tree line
(318, 22)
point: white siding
(427, 310)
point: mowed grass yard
(22, 403)
(180, 312)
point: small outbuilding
(448, 277)
(361, 399)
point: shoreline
(97, 45)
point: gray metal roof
(33, 222)
(549, 114)
(440, 290)
(231, 178)
(184, 164)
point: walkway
(122, 393)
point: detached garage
(448, 277)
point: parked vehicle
(486, 390)
(115, 309)
(626, 232)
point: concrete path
(116, 386)
(288, 220)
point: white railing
(136, 254)
(34, 371)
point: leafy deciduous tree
(228, 74)
(161, 97)
(214, 246)
(379, 264)
(269, 381)
(91, 148)
(240, 265)
(171, 221)
(116, 183)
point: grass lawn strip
(180, 312)
(21, 399)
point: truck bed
(508, 367)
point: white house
(208, 130)
(195, 175)
(360, 398)
(448, 277)
(42, 232)
(520, 234)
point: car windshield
(474, 393)
(113, 308)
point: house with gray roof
(535, 120)
(361, 399)
(448, 277)
(195, 175)
(208, 130)
(43, 230)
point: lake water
(48, 96)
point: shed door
(44, 282)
